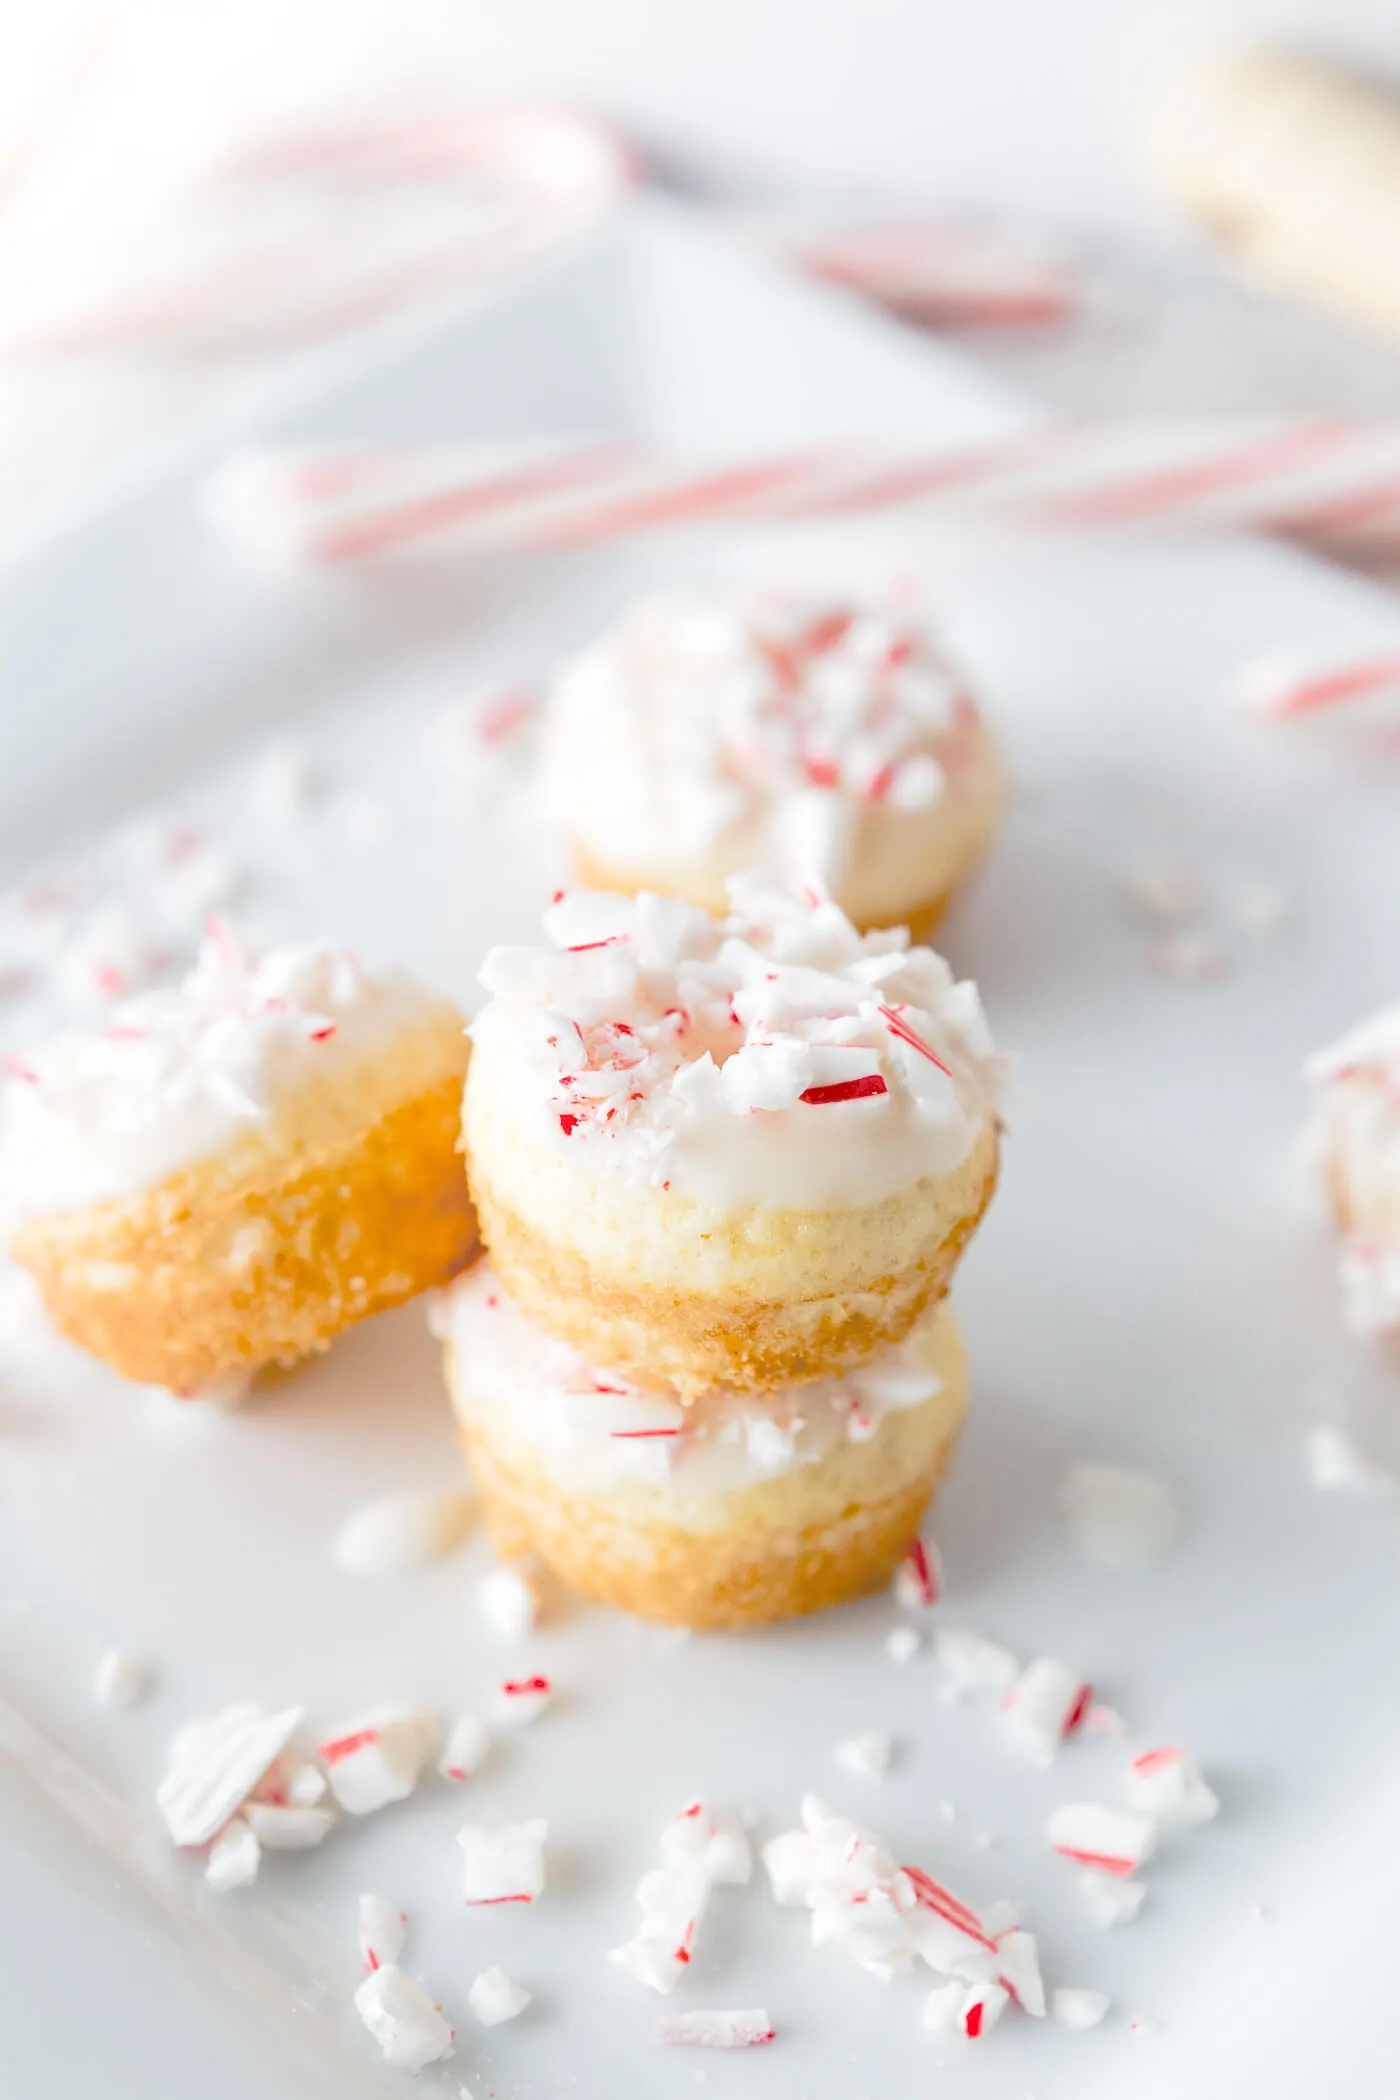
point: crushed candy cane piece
(403, 2019)
(972, 1663)
(1078, 2008)
(503, 1862)
(509, 1603)
(710, 1839)
(887, 1917)
(1047, 1704)
(1161, 891)
(868, 1756)
(234, 1857)
(902, 1644)
(1115, 1840)
(1189, 956)
(521, 1700)
(215, 1764)
(1111, 1899)
(1119, 1516)
(1336, 1463)
(378, 1759)
(494, 1997)
(918, 1580)
(381, 1929)
(982, 2008)
(403, 1531)
(121, 1679)
(279, 1827)
(716, 2030)
(1166, 1783)
(467, 1747)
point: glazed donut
(234, 1169)
(710, 733)
(728, 1512)
(1354, 1141)
(742, 1152)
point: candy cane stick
(1279, 688)
(1259, 473)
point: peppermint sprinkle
(521, 1700)
(715, 2030)
(918, 1580)
(1111, 1840)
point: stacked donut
(713, 731)
(724, 1169)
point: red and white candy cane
(1264, 474)
(1283, 688)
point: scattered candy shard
(280, 1827)
(521, 1700)
(503, 1862)
(381, 1929)
(918, 1580)
(1190, 956)
(494, 1997)
(902, 1644)
(710, 1839)
(887, 1917)
(1047, 1704)
(120, 1679)
(1114, 1840)
(378, 1759)
(700, 1847)
(403, 1531)
(1119, 1516)
(509, 1603)
(1078, 2008)
(1336, 1463)
(234, 1857)
(716, 2030)
(403, 2019)
(1167, 1783)
(467, 1748)
(1111, 1899)
(1161, 891)
(215, 1764)
(868, 1756)
(972, 1663)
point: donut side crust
(262, 1255)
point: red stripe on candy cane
(383, 531)
(1147, 495)
(1277, 699)
(845, 1090)
(893, 1017)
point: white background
(1029, 103)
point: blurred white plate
(1142, 1292)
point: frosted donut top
(775, 1057)
(708, 719)
(177, 1074)
(596, 1430)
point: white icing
(751, 727)
(592, 1430)
(404, 1531)
(657, 1045)
(177, 1074)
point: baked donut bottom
(686, 1298)
(261, 1254)
(815, 1536)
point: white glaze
(752, 727)
(657, 1045)
(591, 1430)
(176, 1075)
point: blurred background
(192, 195)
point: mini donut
(234, 1169)
(710, 733)
(1354, 1140)
(742, 1152)
(726, 1512)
